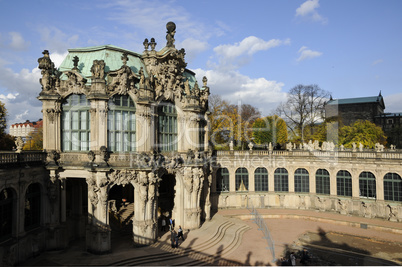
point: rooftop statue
(171, 30)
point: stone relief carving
(92, 191)
(75, 84)
(122, 177)
(121, 81)
(98, 69)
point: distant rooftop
(357, 100)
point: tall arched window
(344, 183)
(167, 135)
(392, 187)
(302, 181)
(261, 179)
(367, 185)
(241, 177)
(32, 206)
(121, 124)
(222, 180)
(75, 123)
(7, 198)
(281, 180)
(322, 184)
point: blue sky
(251, 51)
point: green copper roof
(109, 53)
(357, 100)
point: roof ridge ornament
(171, 30)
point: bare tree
(303, 108)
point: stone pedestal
(98, 240)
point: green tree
(303, 109)
(6, 140)
(230, 122)
(3, 119)
(34, 140)
(271, 129)
(364, 132)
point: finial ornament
(75, 62)
(171, 30)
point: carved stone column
(145, 216)
(98, 234)
(144, 133)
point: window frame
(322, 182)
(261, 179)
(344, 183)
(392, 187)
(302, 180)
(241, 174)
(121, 124)
(281, 180)
(222, 180)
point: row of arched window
(121, 124)
(367, 182)
(8, 205)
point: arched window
(75, 123)
(367, 185)
(301, 181)
(6, 213)
(241, 177)
(392, 187)
(322, 184)
(32, 206)
(167, 135)
(281, 181)
(121, 124)
(222, 180)
(261, 179)
(344, 183)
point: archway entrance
(121, 209)
(166, 195)
(76, 207)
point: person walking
(172, 237)
(180, 233)
(163, 225)
(292, 259)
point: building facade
(23, 129)
(349, 110)
(114, 118)
(127, 129)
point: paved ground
(332, 239)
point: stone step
(215, 239)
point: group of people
(174, 237)
(304, 256)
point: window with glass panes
(167, 136)
(261, 179)
(121, 124)
(344, 183)
(322, 184)
(32, 206)
(367, 185)
(75, 123)
(301, 181)
(392, 187)
(241, 175)
(222, 180)
(6, 213)
(281, 180)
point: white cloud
(307, 10)
(193, 48)
(306, 53)
(58, 58)
(55, 40)
(235, 87)
(14, 41)
(17, 41)
(393, 103)
(378, 61)
(232, 56)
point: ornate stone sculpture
(19, 143)
(171, 30)
(98, 69)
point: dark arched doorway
(166, 195)
(121, 209)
